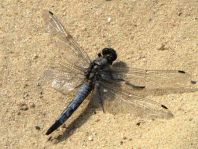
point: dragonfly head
(109, 54)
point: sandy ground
(153, 34)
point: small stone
(41, 95)
(109, 19)
(193, 82)
(38, 84)
(23, 107)
(35, 56)
(121, 142)
(25, 95)
(25, 85)
(38, 128)
(90, 138)
(97, 120)
(138, 123)
(162, 48)
(32, 105)
(180, 13)
(124, 138)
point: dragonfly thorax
(103, 61)
(95, 68)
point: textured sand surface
(150, 34)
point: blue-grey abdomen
(74, 104)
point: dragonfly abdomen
(82, 94)
(75, 103)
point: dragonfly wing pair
(153, 79)
(119, 92)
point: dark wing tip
(163, 106)
(168, 114)
(181, 71)
(53, 127)
(51, 12)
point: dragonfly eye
(110, 54)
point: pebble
(26, 85)
(121, 142)
(109, 19)
(23, 107)
(35, 56)
(180, 13)
(193, 82)
(90, 138)
(124, 138)
(38, 84)
(38, 128)
(25, 96)
(97, 120)
(162, 47)
(32, 105)
(140, 122)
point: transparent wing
(153, 79)
(118, 98)
(72, 51)
(63, 81)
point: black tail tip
(53, 127)
(181, 71)
(51, 13)
(49, 131)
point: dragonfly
(116, 86)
